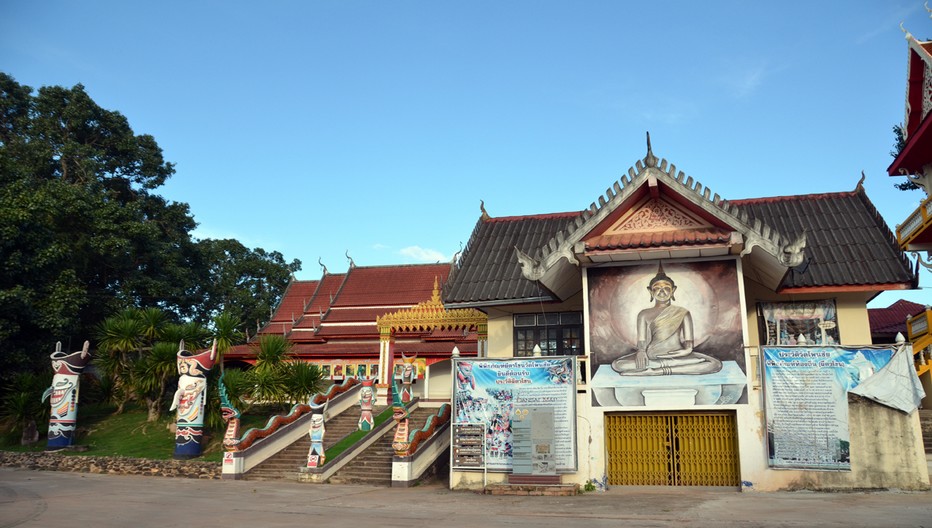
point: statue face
(662, 290)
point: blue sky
(375, 128)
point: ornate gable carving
(655, 215)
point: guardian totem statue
(64, 394)
(190, 399)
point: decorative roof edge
(430, 314)
(757, 234)
(457, 263)
(889, 234)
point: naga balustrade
(433, 423)
(252, 435)
(257, 445)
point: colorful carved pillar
(316, 455)
(408, 375)
(386, 364)
(64, 393)
(366, 400)
(230, 415)
(400, 442)
(190, 399)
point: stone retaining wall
(111, 465)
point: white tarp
(895, 385)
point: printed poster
(491, 392)
(806, 401)
(800, 322)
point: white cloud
(746, 82)
(420, 254)
(746, 77)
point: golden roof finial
(435, 297)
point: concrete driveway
(36, 498)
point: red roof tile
(550, 216)
(327, 290)
(290, 307)
(680, 237)
(892, 319)
(348, 330)
(390, 285)
(363, 314)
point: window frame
(550, 328)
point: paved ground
(35, 498)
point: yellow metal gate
(670, 449)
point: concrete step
(285, 463)
(374, 465)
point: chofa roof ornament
(650, 160)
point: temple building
(915, 162)
(714, 341)
(334, 322)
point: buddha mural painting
(688, 322)
(665, 337)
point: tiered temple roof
(335, 317)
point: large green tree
(83, 234)
(243, 283)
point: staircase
(285, 463)
(374, 465)
(925, 419)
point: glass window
(557, 334)
(525, 320)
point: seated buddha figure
(664, 338)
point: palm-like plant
(151, 375)
(272, 352)
(238, 388)
(22, 405)
(192, 333)
(268, 385)
(154, 321)
(226, 332)
(120, 338)
(302, 380)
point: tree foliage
(83, 233)
(898, 145)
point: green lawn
(129, 435)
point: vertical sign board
(806, 392)
(468, 446)
(490, 391)
(532, 429)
